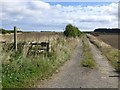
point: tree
(72, 31)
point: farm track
(73, 75)
(106, 71)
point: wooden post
(25, 50)
(48, 47)
(15, 38)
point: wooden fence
(34, 47)
(41, 46)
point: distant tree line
(105, 30)
(72, 31)
(3, 31)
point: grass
(19, 71)
(88, 60)
(111, 53)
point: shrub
(3, 31)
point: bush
(72, 31)
(3, 31)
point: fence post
(15, 38)
(48, 47)
(25, 50)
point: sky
(54, 15)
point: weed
(19, 71)
(88, 60)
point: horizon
(56, 30)
(45, 15)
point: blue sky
(54, 16)
(80, 3)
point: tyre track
(73, 75)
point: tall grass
(19, 71)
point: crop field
(32, 36)
(111, 39)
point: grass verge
(88, 60)
(111, 53)
(24, 72)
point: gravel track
(73, 75)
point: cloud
(81, 0)
(39, 15)
(39, 5)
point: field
(111, 39)
(32, 36)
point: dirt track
(73, 75)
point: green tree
(72, 31)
